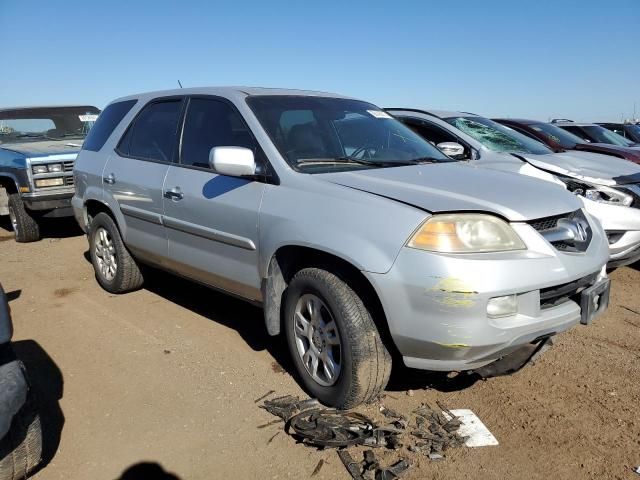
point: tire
(364, 364)
(21, 447)
(24, 225)
(115, 268)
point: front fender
(363, 229)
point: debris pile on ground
(429, 433)
(370, 469)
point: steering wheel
(367, 151)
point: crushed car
(357, 237)
(560, 140)
(20, 431)
(38, 146)
(609, 187)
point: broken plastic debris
(370, 468)
(331, 428)
(478, 435)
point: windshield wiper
(357, 161)
(30, 135)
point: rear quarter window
(107, 121)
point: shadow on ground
(47, 383)
(224, 309)
(147, 471)
(50, 228)
(248, 321)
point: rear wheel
(21, 447)
(116, 270)
(24, 225)
(335, 345)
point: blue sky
(538, 59)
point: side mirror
(451, 149)
(232, 161)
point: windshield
(36, 124)
(634, 131)
(556, 134)
(321, 134)
(600, 134)
(497, 137)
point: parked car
(609, 187)
(356, 236)
(560, 140)
(20, 432)
(630, 131)
(37, 148)
(591, 132)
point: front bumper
(622, 225)
(60, 202)
(436, 304)
(13, 387)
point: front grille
(546, 223)
(68, 166)
(68, 180)
(555, 229)
(559, 294)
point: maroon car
(560, 140)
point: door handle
(110, 179)
(174, 194)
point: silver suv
(359, 239)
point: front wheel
(24, 225)
(335, 345)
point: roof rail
(558, 120)
(414, 110)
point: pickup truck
(38, 146)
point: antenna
(179, 83)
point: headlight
(597, 193)
(47, 168)
(465, 233)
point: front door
(212, 220)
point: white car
(609, 187)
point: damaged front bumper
(13, 387)
(622, 226)
(436, 305)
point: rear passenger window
(154, 132)
(107, 121)
(211, 123)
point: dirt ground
(170, 374)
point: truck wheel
(116, 270)
(335, 345)
(24, 225)
(21, 447)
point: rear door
(211, 219)
(135, 172)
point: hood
(47, 147)
(632, 154)
(587, 166)
(456, 187)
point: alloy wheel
(317, 339)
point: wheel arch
(93, 206)
(289, 259)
